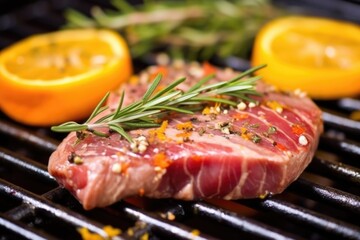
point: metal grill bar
(22, 230)
(343, 145)
(336, 170)
(339, 122)
(55, 210)
(310, 218)
(331, 195)
(349, 104)
(14, 131)
(9, 158)
(255, 228)
(166, 227)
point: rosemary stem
(147, 111)
(157, 16)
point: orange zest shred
(145, 236)
(187, 129)
(218, 104)
(111, 231)
(184, 135)
(239, 116)
(297, 129)
(197, 158)
(87, 235)
(212, 109)
(206, 111)
(264, 195)
(355, 115)
(130, 232)
(280, 146)
(187, 126)
(195, 232)
(141, 192)
(245, 134)
(274, 105)
(161, 160)
(124, 167)
(158, 133)
(208, 68)
(159, 70)
(134, 80)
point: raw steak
(231, 153)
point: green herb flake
(202, 131)
(272, 130)
(256, 139)
(255, 125)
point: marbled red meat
(232, 153)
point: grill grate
(323, 203)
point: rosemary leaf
(120, 105)
(98, 109)
(233, 89)
(214, 99)
(152, 87)
(201, 82)
(120, 131)
(185, 97)
(122, 6)
(136, 125)
(194, 30)
(69, 127)
(170, 87)
(135, 116)
(173, 109)
(162, 99)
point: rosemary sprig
(196, 29)
(146, 112)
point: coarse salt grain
(178, 64)
(241, 106)
(157, 169)
(116, 168)
(225, 130)
(279, 109)
(163, 59)
(298, 92)
(139, 144)
(303, 140)
(142, 148)
(251, 105)
(196, 71)
(217, 125)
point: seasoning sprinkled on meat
(250, 150)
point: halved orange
(51, 78)
(317, 55)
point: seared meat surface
(219, 152)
